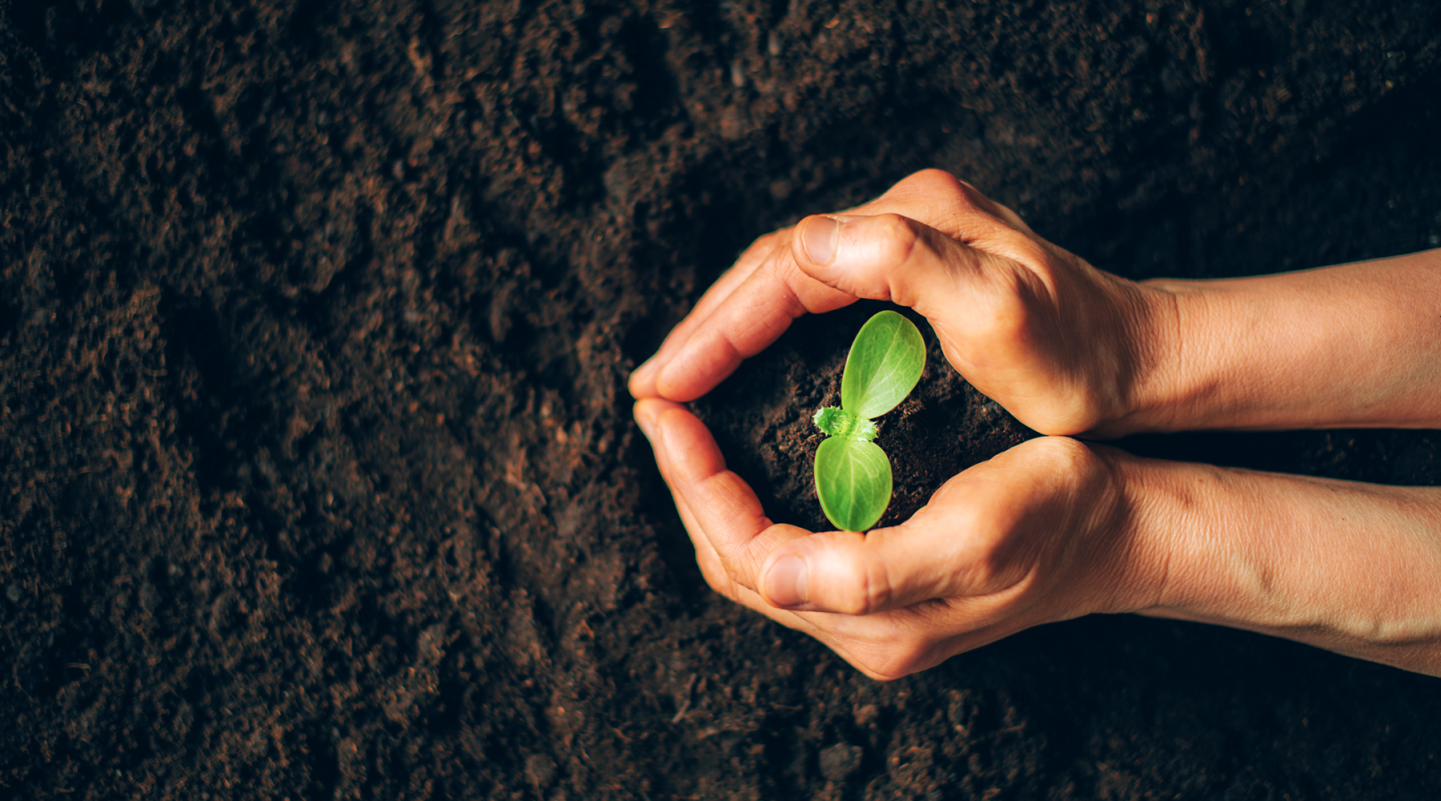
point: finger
(706, 557)
(884, 647)
(709, 561)
(944, 202)
(752, 309)
(753, 316)
(887, 569)
(896, 258)
(724, 508)
(978, 543)
(719, 580)
(713, 569)
(642, 381)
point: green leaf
(853, 481)
(884, 365)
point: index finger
(744, 324)
(643, 380)
(746, 311)
(725, 509)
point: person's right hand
(1064, 347)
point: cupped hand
(1064, 347)
(1035, 535)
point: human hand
(1037, 534)
(1054, 529)
(1064, 347)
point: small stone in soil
(839, 761)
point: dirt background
(317, 473)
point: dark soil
(319, 477)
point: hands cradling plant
(1056, 528)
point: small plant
(853, 474)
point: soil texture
(317, 473)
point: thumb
(860, 574)
(895, 258)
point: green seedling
(853, 474)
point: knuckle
(985, 560)
(1022, 248)
(896, 659)
(982, 218)
(854, 583)
(760, 250)
(716, 576)
(939, 183)
(788, 275)
(987, 569)
(877, 589)
(853, 602)
(899, 235)
(909, 658)
(768, 242)
(956, 206)
(1070, 456)
(969, 197)
(1002, 314)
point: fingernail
(819, 239)
(786, 581)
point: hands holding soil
(1056, 528)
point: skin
(1056, 528)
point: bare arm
(1055, 528)
(1349, 567)
(1355, 345)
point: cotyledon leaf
(883, 366)
(853, 481)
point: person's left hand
(1037, 534)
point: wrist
(1345, 346)
(1183, 370)
(1145, 391)
(1141, 545)
(1343, 566)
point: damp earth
(318, 478)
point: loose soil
(319, 477)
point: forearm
(1355, 345)
(1353, 568)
